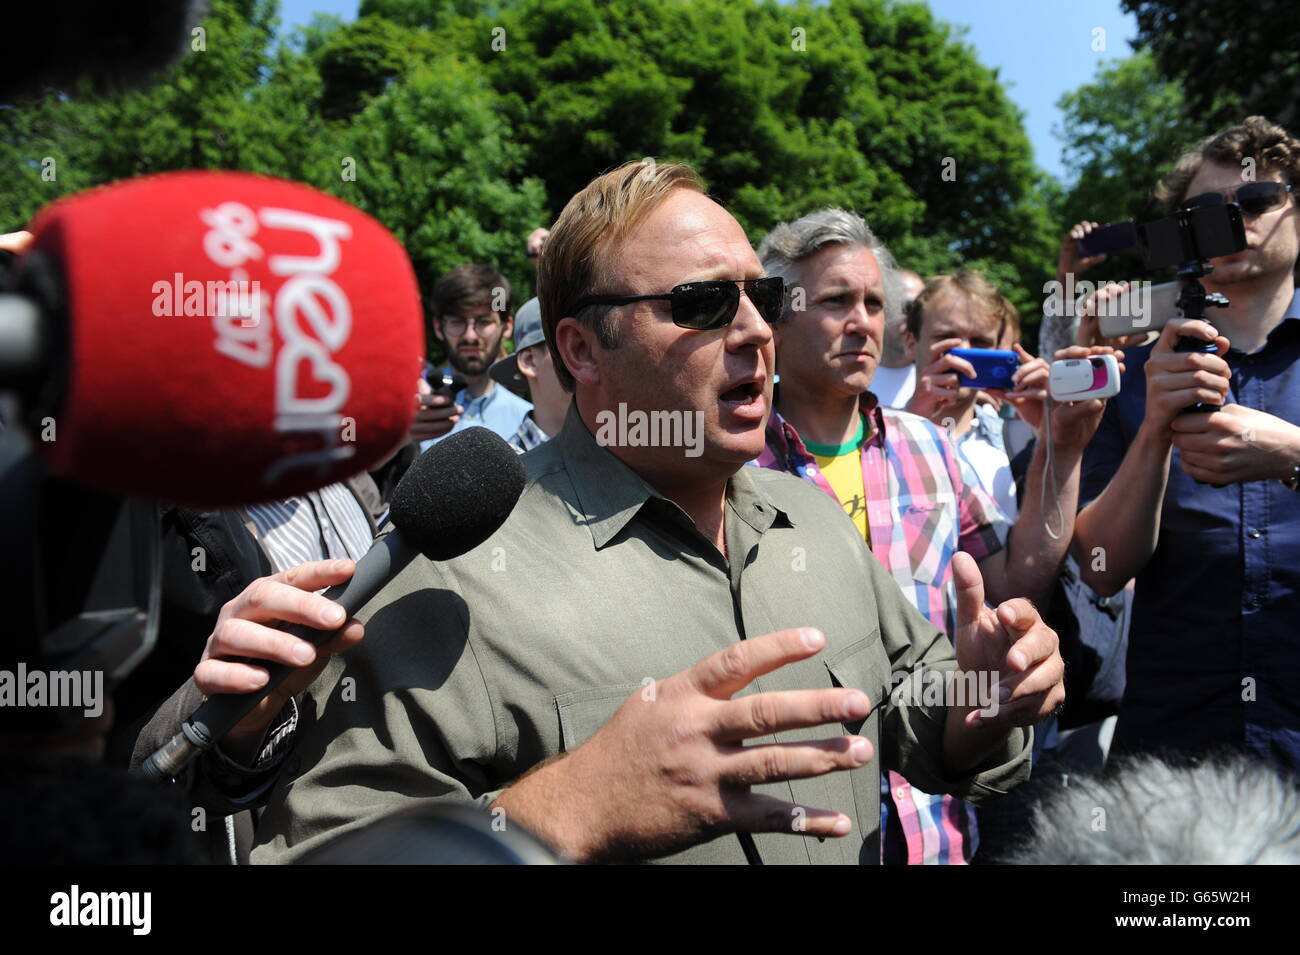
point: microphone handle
(220, 714)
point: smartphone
(1202, 232)
(1112, 237)
(1078, 379)
(993, 367)
(1143, 308)
(439, 379)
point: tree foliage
(468, 123)
(1232, 59)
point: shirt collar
(482, 401)
(610, 494)
(784, 440)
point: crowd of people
(725, 653)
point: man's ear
(909, 343)
(437, 329)
(576, 344)
(527, 359)
(508, 327)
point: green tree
(1232, 59)
(1123, 130)
(868, 104)
(374, 113)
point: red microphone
(227, 338)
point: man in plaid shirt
(898, 476)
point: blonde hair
(975, 289)
(578, 258)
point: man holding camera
(1202, 507)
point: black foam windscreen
(112, 46)
(456, 494)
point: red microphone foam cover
(300, 373)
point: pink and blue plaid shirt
(923, 505)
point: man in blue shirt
(1201, 507)
(472, 316)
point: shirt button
(1253, 533)
(1254, 601)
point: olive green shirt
(475, 669)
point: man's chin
(468, 366)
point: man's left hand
(1236, 444)
(1011, 644)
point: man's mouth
(745, 393)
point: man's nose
(748, 327)
(858, 321)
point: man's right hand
(1070, 259)
(436, 413)
(670, 768)
(1177, 379)
(247, 631)
(936, 384)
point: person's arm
(1011, 651)
(1116, 534)
(1030, 563)
(245, 761)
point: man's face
(833, 345)
(544, 388)
(953, 316)
(910, 285)
(725, 374)
(1272, 239)
(473, 335)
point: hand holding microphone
(246, 632)
(451, 500)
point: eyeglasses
(457, 326)
(1254, 198)
(707, 305)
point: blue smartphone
(993, 367)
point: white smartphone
(1145, 308)
(1078, 379)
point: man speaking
(662, 647)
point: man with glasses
(1202, 508)
(472, 316)
(596, 669)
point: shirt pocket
(582, 712)
(930, 536)
(864, 666)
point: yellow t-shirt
(842, 467)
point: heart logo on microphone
(303, 362)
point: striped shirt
(923, 505)
(320, 525)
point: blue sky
(1041, 48)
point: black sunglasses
(1254, 198)
(706, 305)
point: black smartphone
(1112, 237)
(439, 379)
(1203, 232)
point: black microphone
(454, 497)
